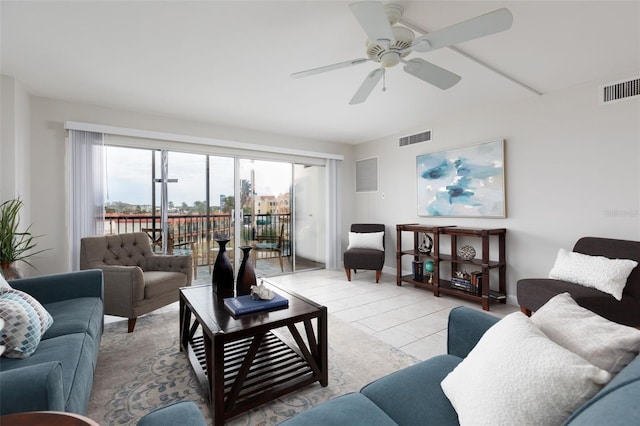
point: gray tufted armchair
(136, 281)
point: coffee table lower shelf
(276, 369)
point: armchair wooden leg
(348, 271)
(525, 311)
(378, 274)
(132, 324)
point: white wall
(49, 153)
(572, 170)
(15, 147)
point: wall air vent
(367, 175)
(619, 91)
(418, 137)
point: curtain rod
(174, 137)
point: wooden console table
(438, 256)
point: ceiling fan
(389, 44)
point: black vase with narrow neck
(222, 277)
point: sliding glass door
(265, 214)
(309, 217)
(183, 201)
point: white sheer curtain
(86, 194)
(334, 222)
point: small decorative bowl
(466, 252)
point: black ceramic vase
(246, 274)
(222, 279)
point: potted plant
(14, 245)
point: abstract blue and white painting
(462, 182)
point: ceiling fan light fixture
(389, 59)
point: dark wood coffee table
(244, 362)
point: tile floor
(409, 318)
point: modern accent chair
(366, 249)
(535, 292)
(136, 281)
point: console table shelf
(483, 264)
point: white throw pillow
(605, 344)
(366, 240)
(517, 376)
(4, 285)
(599, 272)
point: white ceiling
(228, 62)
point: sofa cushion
(157, 283)
(599, 272)
(610, 346)
(351, 409)
(25, 319)
(516, 365)
(80, 315)
(75, 352)
(417, 397)
(616, 404)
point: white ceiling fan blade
(373, 19)
(431, 73)
(480, 26)
(329, 68)
(367, 86)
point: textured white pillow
(366, 240)
(599, 272)
(4, 285)
(605, 344)
(517, 376)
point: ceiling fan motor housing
(404, 39)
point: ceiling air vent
(418, 137)
(620, 91)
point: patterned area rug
(143, 370)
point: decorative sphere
(429, 266)
(466, 252)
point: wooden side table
(46, 418)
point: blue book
(246, 304)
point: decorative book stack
(471, 285)
(246, 304)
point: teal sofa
(413, 396)
(58, 376)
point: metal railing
(198, 232)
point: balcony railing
(195, 231)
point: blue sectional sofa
(413, 396)
(58, 376)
